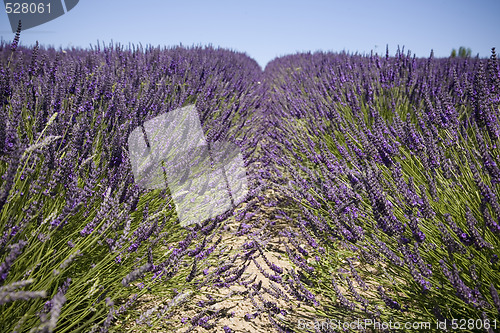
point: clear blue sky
(267, 29)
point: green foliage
(463, 52)
(52, 255)
(448, 195)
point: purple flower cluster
(385, 172)
(67, 190)
(395, 161)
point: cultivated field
(374, 187)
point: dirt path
(233, 305)
(234, 308)
(240, 300)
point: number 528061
(25, 8)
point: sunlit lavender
(384, 174)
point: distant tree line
(462, 52)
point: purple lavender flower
(389, 301)
(15, 42)
(494, 295)
(15, 252)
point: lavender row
(76, 233)
(393, 165)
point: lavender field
(374, 193)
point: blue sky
(267, 29)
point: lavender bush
(394, 164)
(76, 233)
(384, 171)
